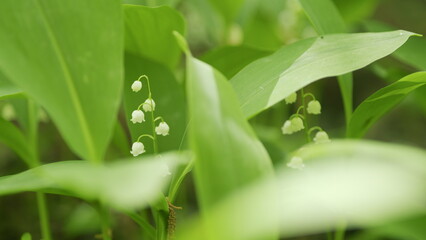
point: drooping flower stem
(305, 116)
(154, 137)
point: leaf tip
(183, 44)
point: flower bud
(149, 105)
(291, 98)
(8, 112)
(137, 116)
(162, 129)
(314, 107)
(297, 124)
(136, 86)
(321, 137)
(137, 148)
(287, 128)
(296, 163)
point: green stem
(44, 216)
(340, 231)
(104, 215)
(305, 116)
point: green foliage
(75, 72)
(376, 105)
(262, 84)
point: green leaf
(124, 184)
(75, 72)
(149, 33)
(7, 89)
(360, 183)
(355, 11)
(229, 60)
(228, 9)
(169, 99)
(375, 106)
(412, 52)
(26, 236)
(326, 19)
(324, 16)
(269, 80)
(11, 136)
(228, 153)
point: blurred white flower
(321, 137)
(297, 124)
(286, 128)
(162, 129)
(8, 112)
(136, 86)
(314, 107)
(296, 163)
(137, 148)
(149, 105)
(137, 116)
(291, 98)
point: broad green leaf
(169, 99)
(75, 71)
(375, 106)
(326, 19)
(269, 80)
(229, 60)
(412, 52)
(228, 9)
(228, 153)
(360, 183)
(355, 11)
(149, 33)
(124, 184)
(7, 89)
(12, 136)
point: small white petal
(137, 148)
(296, 163)
(291, 98)
(136, 86)
(321, 137)
(137, 116)
(297, 124)
(148, 105)
(314, 107)
(287, 128)
(162, 129)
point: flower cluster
(298, 122)
(138, 116)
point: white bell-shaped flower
(287, 128)
(296, 163)
(291, 98)
(321, 137)
(148, 105)
(138, 116)
(136, 86)
(297, 124)
(314, 107)
(162, 129)
(137, 148)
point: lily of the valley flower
(162, 129)
(136, 86)
(287, 128)
(148, 105)
(296, 163)
(138, 116)
(137, 148)
(321, 137)
(297, 124)
(314, 107)
(291, 98)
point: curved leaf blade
(75, 72)
(336, 186)
(11, 136)
(124, 184)
(375, 106)
(269, 80)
